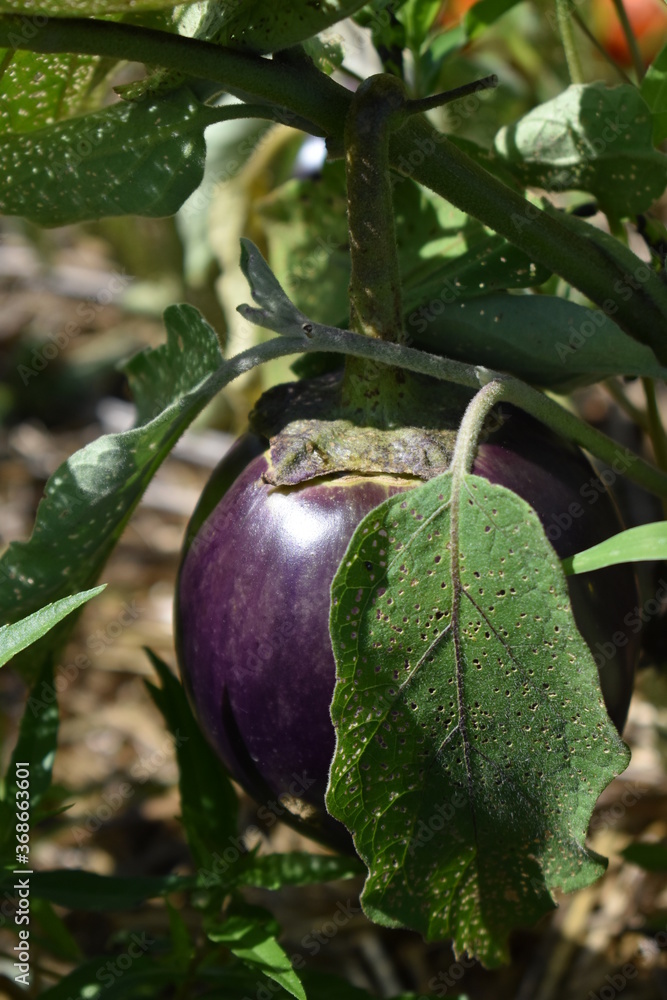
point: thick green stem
(375, 281)
(417, 151)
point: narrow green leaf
(142, 158)
(654, 91)
(20, 635)
(208, 801)
(542, 339)
(251, 939)
(81, 890)
(644, 543)
(589, 138)
(472, 737)
(56, 935)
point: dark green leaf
(272, 871)
(590, 138)
(652, 857)
(265, 26)
(54, 932)
(483, 13)
(654, 91)
(81, 890)
(141, 158)
(103, 978)
(472, 737)
(541, 339)
(644, 543)
(80, 8)
(20, 635)
(208, 801)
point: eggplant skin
(253, 595)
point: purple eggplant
(253, 594)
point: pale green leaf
(644, 543)
(20, 635)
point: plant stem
(472, 425)
(317, 337)
(636, 415)
(375, 283)
(563, 18)
(655, 426)
(637, 60)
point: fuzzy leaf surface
(131, 158)
(590, 138)
(472, 738)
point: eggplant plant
(406, 582)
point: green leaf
(81, 890)
(14, 638)
(271, 871)
(208, 801)
(37, 89)
(484, 13)
(542, 339)
(589, 138)
(644, 543)
(651, 857)
(99, 978)
(57, 936)
(266, 26)
(472, 737)
(80, 8)
(250, 937)
(654, 91)
(90, 497)
(141, 158)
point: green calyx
(397, 423)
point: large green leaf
(654, 91)
(541, 339)
(140, 158)
(590, 138)
(472, 737)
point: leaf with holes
(472, 739)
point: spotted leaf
(472, 738)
